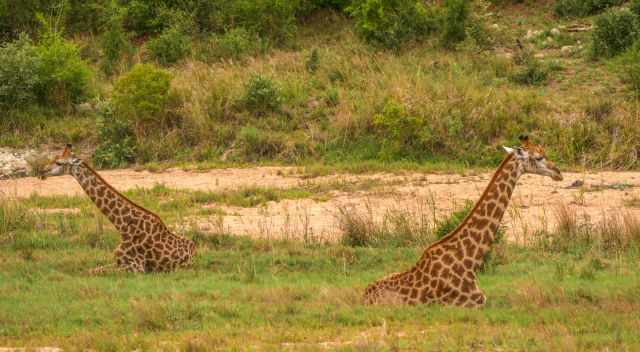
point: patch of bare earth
(532, 209)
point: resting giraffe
(147, 245)
(446, 272)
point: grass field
(571, 289)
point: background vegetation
(313, 80)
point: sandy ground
(533, 207)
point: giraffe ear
(67, 151)
(508, 150)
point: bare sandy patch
(532, 208)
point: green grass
(245, 294)
(570, 290)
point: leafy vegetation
(613, 32)
(583, 8)
(141, 96)
(392, 23)
(312, 81)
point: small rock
(15, 163)
(539, 55)
(567, 49)
(576, 184)
(495, 26)
(555, 31)
(84, 108)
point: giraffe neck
(121, 212)
(476, 233)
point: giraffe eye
(539, 158)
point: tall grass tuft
(398, 228)
(14, 217)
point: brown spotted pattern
(147, 245)
(446, 272)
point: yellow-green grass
(573, 289)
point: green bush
(403, 134)
(142, 95)
(116, 142)
(261, 95)
(613, 32)
(141, 16)
(391, 23)
(532, 73)
(114, 41)
(19, 73)
(635, 7)
(271, 19)
(170, 46)
(630, 67)
(583, 8)
(235, 43)
(64, 75)
(51, 72)
(454, 22)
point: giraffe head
(533, 159)
(61, 164)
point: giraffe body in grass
(147, 244)
(446, 273)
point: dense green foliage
(19, 75)
(300, 80)
(50, 73)
(114, 42)
(261, 95)
(391, 23)
(116, 141)
(582, 8)
(142, 95)
(455, 17)
(630, 67)
(170, 46)
(615, 31)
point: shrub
(261, 95)
(114, 41)
(582, 8)
(271, 19)
(116, 142)
(635, 7)
(64, 76)
(454, 22)
(630, 67)
(403, 134)
(533, 73)
(19, 73)
(391, 23)
(170, 46)
(235, 43)
(142, 95)
(141, 16)
(613, 32)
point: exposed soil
(533, 207)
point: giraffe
(446, 271)
(146, 244)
